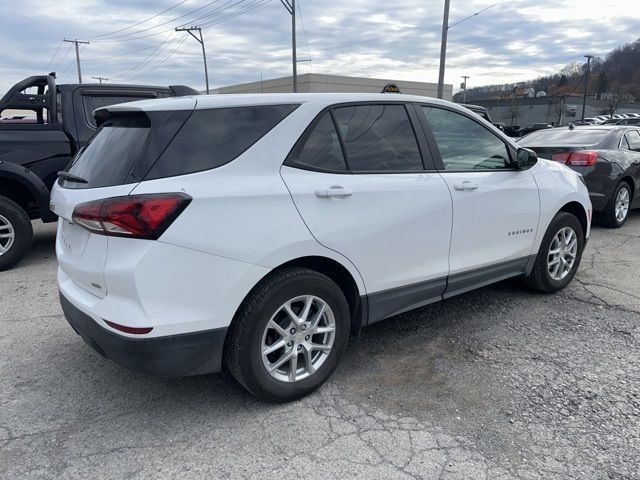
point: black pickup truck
(55, 122)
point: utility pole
(201, 42)
(586, 84)
(77, 42)
(443, 48)
(464, 88)
(100, 79)
(290, 5)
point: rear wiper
(71, 177)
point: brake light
(135, 216)
(581, 158)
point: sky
(247, 40)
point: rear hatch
(112, 163)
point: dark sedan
(607, 156)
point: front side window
(464, 144)
(322, 149)
(378, 138)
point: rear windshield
(565, 137)
(108, 157)
(128, 149)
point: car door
(631, 144)
(360, 183)
(496, 207)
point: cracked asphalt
(499, 383)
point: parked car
(608, 157)
(534, 128)
(629, 121)
(594, 120)
(512, 130)
(35, 147)
(612, 121)
(258, 231)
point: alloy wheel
(622, 204)
(7, 235)
(298, 338)
(562, 253)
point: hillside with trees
(615, 78)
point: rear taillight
(581, 158)
(135, 216)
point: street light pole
(290, 5)
(443, 48)
(200, 40)
(464, 91)
(77, 42)
(586, 84)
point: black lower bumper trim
(171, 356)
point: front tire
(617, 210)
(16, 233)
(559, 256)
(288, 335)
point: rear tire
(548, 275)
(263, 322)
(617, 210)
(16, 233)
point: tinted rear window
(215, 137)
(107, 159)
(557, 137)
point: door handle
(465, 187)
(334, 191)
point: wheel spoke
(294, 318)
(319, 347)
(554, 261)
(307, 308)
(329, 329)
(274, 346)
(281, 361)
(294, 367)
(314, 324)
(308, 357)
(281, 331)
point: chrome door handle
(465, 187)
(334, 191)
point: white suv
(258, 231)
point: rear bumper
(186, 354)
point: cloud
(514, 41)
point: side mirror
(526, 158)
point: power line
(476, 14)
(158, 64)
(138, 23)
(59, 64)
(54, 55)
(304, 30)
(148, 58)
(123, 38)
(101, 59)
(255, 4)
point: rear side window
(378, 138)
(214, 137)
(322, 149)
(107, 159)
(633, 139)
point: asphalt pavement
(498, 383)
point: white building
(320, 83)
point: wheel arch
(577, 210)
(335, 271)
(23, 187)
(631, 183)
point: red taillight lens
(561, 157)
(132, 330)
(136, 216)
(581, 158)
